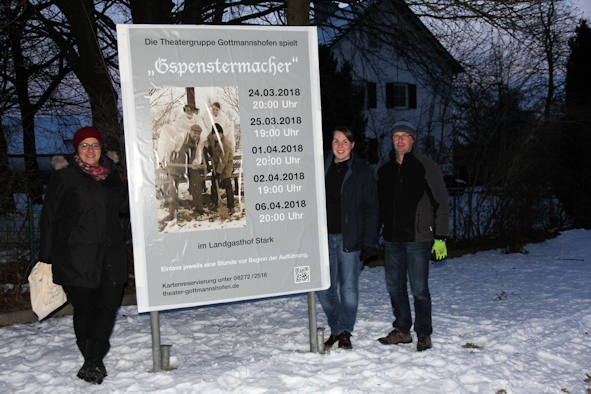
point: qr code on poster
(302, 274)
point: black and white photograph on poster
(197, 158)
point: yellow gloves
(439, 250)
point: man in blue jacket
(415, 212)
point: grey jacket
(414, 204)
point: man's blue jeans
(411, 257)
(345, 268)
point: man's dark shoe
(395, 337)
(424, 343)
(345, 341)
(331, 341)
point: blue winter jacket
(359, 204)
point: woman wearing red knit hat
(82, 237)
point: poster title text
(269, 66)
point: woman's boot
(89, 371)
(100, 351)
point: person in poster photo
(181, 125)
(180, 150)
(219, 117)
(352, 219)
(222, 160)
(185, 161)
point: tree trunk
(27, 110)
(7, 203)
(156, 12)
(298, 12)
(92, 71)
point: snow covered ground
(517, 323)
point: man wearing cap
(415, 213)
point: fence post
(455, 217)
(31, 231)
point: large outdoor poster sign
(224, 158)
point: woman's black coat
(81, 232)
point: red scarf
(97, 172)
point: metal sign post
(156, 354)
(312, 321)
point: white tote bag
(46, 296)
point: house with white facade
(401, 70)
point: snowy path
(520, 323)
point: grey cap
(405, 126)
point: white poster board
(260, 85)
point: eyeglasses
(85, 146)
(403, 137)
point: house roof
(335, 23)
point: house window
(395, 95)
(401, 95)
(358, 92)
(412, 96)
(372, 95)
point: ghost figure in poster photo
(216, 115)
(168, 140)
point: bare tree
(91, 57)
(545, 35)
(505, 101)
(8, 104)
(229, 97)
(35, 70)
